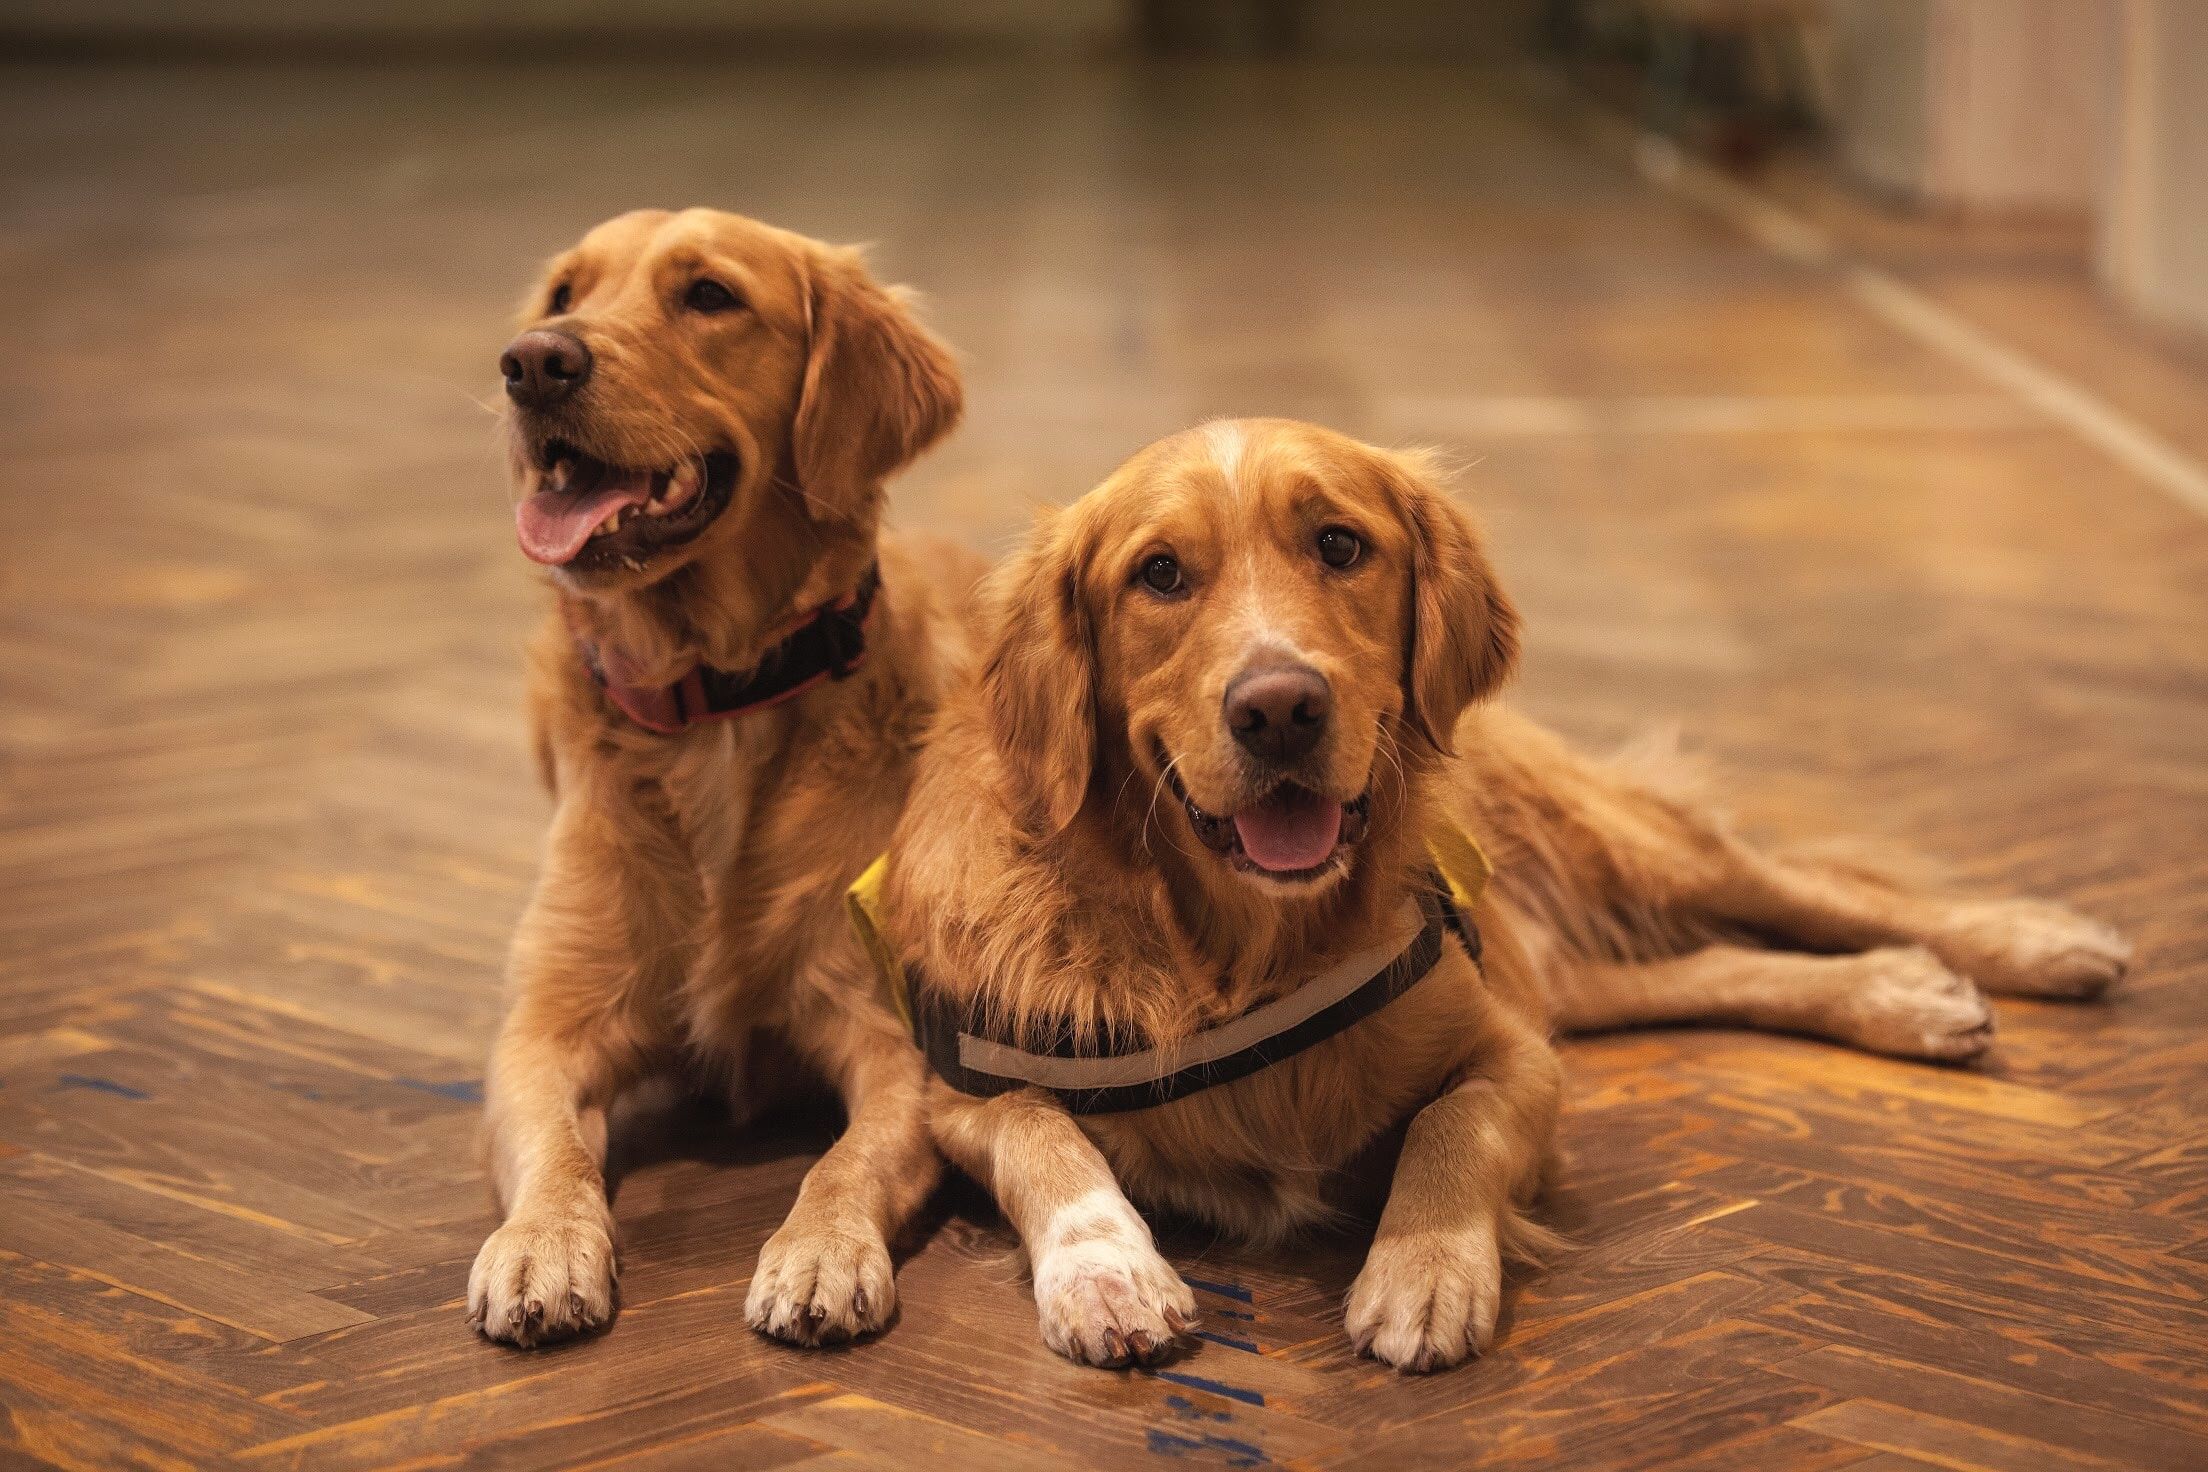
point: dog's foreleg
(548, 1272)
(569, 1044)
(1432, 1284)
(1103, 1293)
(825, 1275)
(1898, 1000)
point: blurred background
(1830, 374)
(2069, 107)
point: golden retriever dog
(1225, 709)
(727, 696)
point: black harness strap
(940, 1023)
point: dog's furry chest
(718, 857)
(767, 857)
(1287, 1147)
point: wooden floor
(266, 815)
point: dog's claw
(815, 1284)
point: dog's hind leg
(1626, 867)
(1898, 1000)
(825, 1275)
(2011, 946)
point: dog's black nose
(1278, 712)
(543, 367)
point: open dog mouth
(1289, 833)
(588, 515)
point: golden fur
(1045, 869)
(689, 904)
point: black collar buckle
(843, 635)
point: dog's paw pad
(541, 1279)
(821, 1284)
(1426, 1300)
(1903, 1001)
(1111, 1302)
(2033, 949)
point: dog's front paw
(2029, 948)
(1111, 1302)
(1426, 1300)
(1902, 1001)
(821, 1283)
(541, 1278)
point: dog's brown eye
(1339, 547)
(1162, 574)
(563, 297)
(708, 295)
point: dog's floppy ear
(1039, 675)
(878, 388)
(1462, 633)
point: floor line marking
(1787, 235)
(2147, 454)
(1718, 414)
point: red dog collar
(827, 646)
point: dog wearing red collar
(726, 697)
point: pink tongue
(553, 525)
(1292, 829)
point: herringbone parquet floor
(266, 814)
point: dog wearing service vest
(727, 693)
(1192, 900)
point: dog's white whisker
(1157, 788)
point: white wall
(1976, 104)
(1878, 59)
(2020, 102)
(2154, 226)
